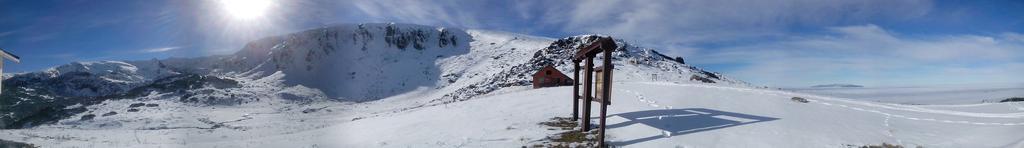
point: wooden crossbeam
(602, 95)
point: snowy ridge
(83, 79)
(638, 63)
(453, 63)
(348, 62)
(359, 62)
(42, 97)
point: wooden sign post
(586, 54)
(576, 91)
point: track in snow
(822, 100)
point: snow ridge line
(777, 93)
(913, 118)
(915, 108)
(886, 106)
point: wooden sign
(599, 88)
(602, 91)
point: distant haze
(837, 86)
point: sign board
(599, 88)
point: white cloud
(703, 21)
(6, 33)
(162, 49)
(868, 54)
(661, 22)
(1014, 36)
(768, 50)
(439, 12)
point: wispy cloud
(1014, 36)
(869, 54)
(50, 56)
(660, 23)
(687, 22)
(437, 12)
(771, 42)
(162, 49)
(6, 33)
(38, 37)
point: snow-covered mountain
(349, 62)
(632, 62)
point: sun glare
(245, 9)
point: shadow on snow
(684, 121)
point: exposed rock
(799, 99)
(134, 105)
(1013, 99)
(87, 117)
(111, 113)
(701, 79)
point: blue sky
(782, 43)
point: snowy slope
(34, 98)
(694, 115)
(348, 62)
(444, 64)
(99, 78)
(390, 59)
(637, 62)
(936, 94)
(361, 62)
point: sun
(245, 9)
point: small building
(548, 76)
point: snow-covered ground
(937, 94)
(642, 114)
(693, 115)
